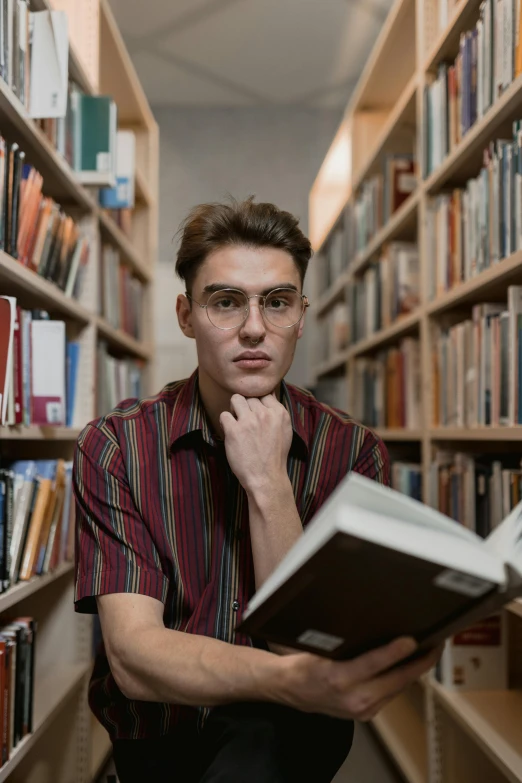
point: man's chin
(255, 386)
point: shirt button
(235, 606)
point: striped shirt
(159, 512)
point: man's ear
(184, 313)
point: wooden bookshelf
(402, 223)
(74, 746)
(424, 749)
(403, 731)
(52, 694)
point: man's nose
(254, 325)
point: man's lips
(252, 360)
(247, 355)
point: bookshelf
(439, 735)
(67, 743)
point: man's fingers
(239, 405)
(227, 421)
(254, 403)
(270, 401)
(369, 665)
(390, 684)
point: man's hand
(257, 441)
(352, 689)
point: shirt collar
(189, 415)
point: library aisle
(78, 244)
(418, 316)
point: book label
(322, 641)
(462, 583)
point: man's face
(254, 271)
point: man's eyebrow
(213, 287)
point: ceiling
(305, 53)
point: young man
(187, 501)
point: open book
(373, 565)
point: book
(121, 196)
(374, 565)
(95, 139)
(7, 325)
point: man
(188, 500)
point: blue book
(73, 357)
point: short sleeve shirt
(159, 512)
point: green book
(95, 139)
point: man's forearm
(161, 665)
(275, 526)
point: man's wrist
(265, 492)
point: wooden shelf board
(403, 732)
(34, 291)
(493, 720)
(405, 217)
(115, 236)
(332, 365)
(464, 16)
(51, 693)
(515, 607)
(401, 327)
(101, 748)
(379, 85)
(466, 158)
(23, 590)
(39, 433)
(477, 287)
(143, 192)
(398, 434)
(117, 338)
(477, 433)
(332, 294)
(60, 181)
(404, 109)
(117, 73)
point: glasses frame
(263, 297)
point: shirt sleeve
(114, 550)
(373, 460)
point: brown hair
(209, 227)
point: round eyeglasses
(229, 308)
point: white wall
(205, 154)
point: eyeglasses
(229, 308)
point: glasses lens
(284, 307)
(227, 309)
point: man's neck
(215, 400)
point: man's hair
(210, 227)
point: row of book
(34, 229)
(489, 59)
(474, 227)
(121, 294)
(17, 668)
(36, 518)
(387, 387)
(477, 367)
(116, 380)
(38, 368)
(380, 196)
(332, 260)
(387, 290)
(406, 477)
(478, 491)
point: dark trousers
(241, 743)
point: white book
(49, 64)
(368, 541)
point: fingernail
(407, 645)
